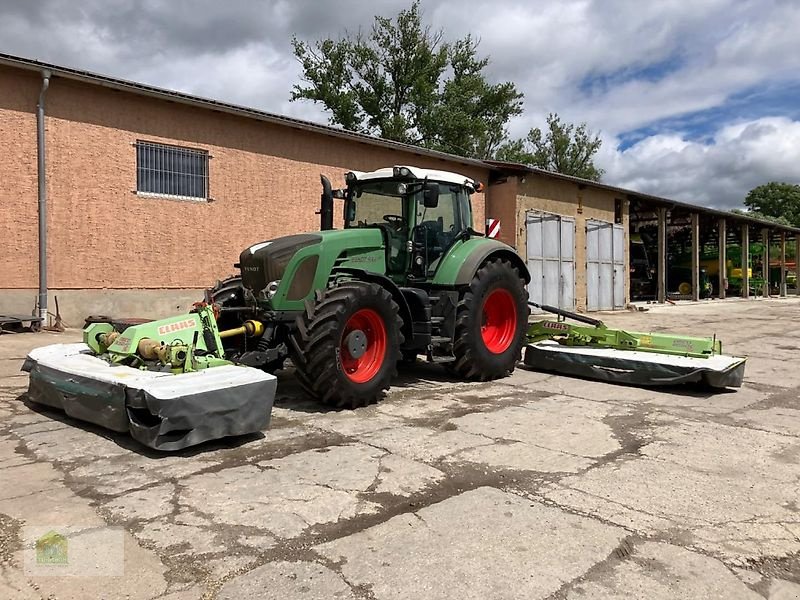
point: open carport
(683, 251)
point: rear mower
(595, 351)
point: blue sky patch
(774, 99)
(600, 83)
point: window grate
(171, 170)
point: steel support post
(745, 260)
(765, 261)
(783, 265)
(722, 234)
(661, 267)
(695, 256)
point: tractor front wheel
(490, 323)
(346, 344)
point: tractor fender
(389, 285)
(484, 252)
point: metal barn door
(551, 259)
(605, 266)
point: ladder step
(438, 339)
(441, 359)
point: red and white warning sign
(492, 228)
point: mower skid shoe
(635, 368)
(160, 410)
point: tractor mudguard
(465, 258)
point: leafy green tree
(563, 148)
(403, 82)
(775, 200)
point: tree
(403, 82)
(565, 148)
(775, 200)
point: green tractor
(408, 275)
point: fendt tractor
(407, 276)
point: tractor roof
(415, 173)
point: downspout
(42, 303)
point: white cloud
(717, 173)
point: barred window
(171, 170)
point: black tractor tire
(491, 321)
(226, 293)
(320, 344)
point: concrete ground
(535, 486)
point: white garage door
(551, 259)
(605, 266)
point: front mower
(165, 382)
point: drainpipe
(42, 303)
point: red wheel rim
(499, 323)
(366, 366)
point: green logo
(51, 549)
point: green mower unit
(594, 351)
(165, 382)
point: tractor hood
(267, 261)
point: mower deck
(161, 410)
(635, 367)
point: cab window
(371, 203)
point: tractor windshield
(377, 202)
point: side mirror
(430, 195)
(350, 210)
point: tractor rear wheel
(346, 344)
(490, 323)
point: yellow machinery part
(107, 339)
(152, 350)
(251, 328)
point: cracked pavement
(534, 486)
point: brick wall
(264, 180)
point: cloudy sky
(697, 100)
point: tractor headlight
(401, 172)
(272, 288)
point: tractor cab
(421, 213)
